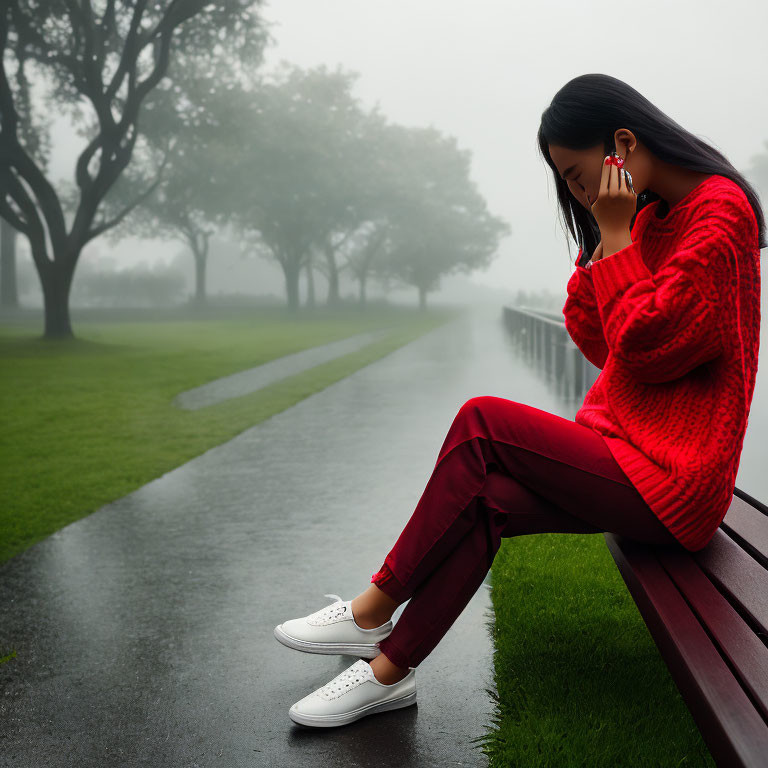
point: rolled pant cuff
(385, 580)
(394, 654)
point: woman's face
(582, 169)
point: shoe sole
(366, 650)
(330, 721)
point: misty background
(481, 73)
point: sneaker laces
(330, 613)
(345, 681)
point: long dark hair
(590, 109)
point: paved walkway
(144, 631)
(245, 382)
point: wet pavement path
(144, 631)
(244, 382)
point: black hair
(588, 110)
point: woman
(668, 306)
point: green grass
(89, 420)
(579, 679)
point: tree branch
(131, 49)
(12, 218)
(108, 224)
(36, 232)
(10, 118)
(46, 195)
(81, 170)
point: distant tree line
(185, 137)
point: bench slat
(738, 576)
(749, 526)
(731, 726)
(737, 641)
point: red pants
(505, 469)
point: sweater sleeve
(582, 316)
(660, 326)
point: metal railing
(541, 339)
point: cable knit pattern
(673, 321)
(582, 316)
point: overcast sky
(484, 71)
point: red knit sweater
(673, 321)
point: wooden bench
(707, 612)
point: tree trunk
(291, 272)
(362, 291)
(333, 286)
(310, 284)
(56, 282)
(200, 252)
(9, 294)
(333, 277)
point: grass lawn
(89, 420)
(579, 679)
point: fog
(483, 73)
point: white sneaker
(351, 695)
(332, 629)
